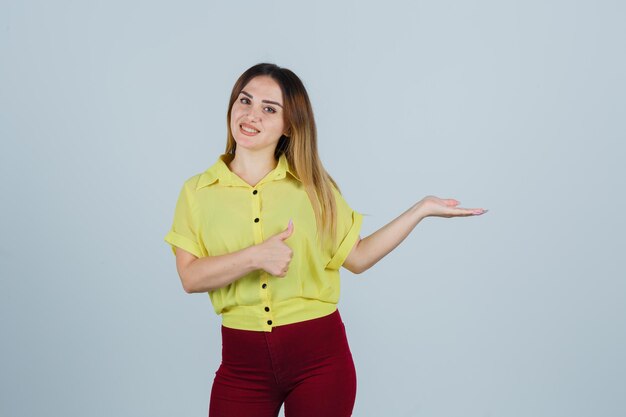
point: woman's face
(256, 118)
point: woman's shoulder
(192, 181)
(206, 177)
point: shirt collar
(221, 173)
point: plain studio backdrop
(106, 108)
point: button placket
(258, 238)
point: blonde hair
(300, 147)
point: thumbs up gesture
(274, 255)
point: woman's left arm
(371, 249)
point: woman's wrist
(418, 211)
(252, 257)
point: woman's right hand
(274, 255)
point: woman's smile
(248, 130)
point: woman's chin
(245, 143)
(251, 143)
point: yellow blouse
(218, 212)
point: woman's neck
(252, 166)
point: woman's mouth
(248, 130)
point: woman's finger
(467, 212)
(477, 211)
(462, 212)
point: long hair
(300, 147)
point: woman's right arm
(213, 272)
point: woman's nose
(254, 114)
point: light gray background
(514, 106)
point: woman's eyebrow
(262, 101)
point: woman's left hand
(445, 207)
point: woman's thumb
(288, 231)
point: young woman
(264, 231)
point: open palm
(446, 207)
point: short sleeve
(348, 228)
(184, 230)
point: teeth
(246, 129)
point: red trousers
(307, 366)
